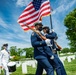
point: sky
(13, 34)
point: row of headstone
(69, 58)
(63, 59)
(34, 62)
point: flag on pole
(34, 13)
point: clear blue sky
(12, 33)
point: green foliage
(72, 65)
(18, 52)
(72, 50)
(29, 52)
(70, 23)
(13, 50)
(65, 50)
(16, 58)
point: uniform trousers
(44, 64)
(63, 72)
(54, 62)
(6, 71)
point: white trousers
(6, 71)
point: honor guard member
(46, 31)
(54, 48)
(4, 58)
(48, 51)
(39, 52)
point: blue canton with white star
(37, 4)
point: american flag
(34, 13)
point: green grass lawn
(69, 66)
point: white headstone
(24, 68)
(18, 64)
(62, 59)
(69, 59)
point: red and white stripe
(30, 15)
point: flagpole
(51, 22)
(51, 17)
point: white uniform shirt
(4, 57)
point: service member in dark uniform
(48, 51)
(54, 48)
(49, 35)
(39, 52)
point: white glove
(48, 42)
(52, 57)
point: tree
(72, 50)
(29, 52)
(70, 23)
(65, 50)
(13, 50)
(19, 52)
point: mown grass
(69, 66)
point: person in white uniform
(4, 59)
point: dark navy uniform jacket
(52, 35)
(38, 45)
(41, 50)
(48, 50)
(49, 36)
